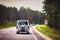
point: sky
(32, 4)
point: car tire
(17, 32)
(28, 32)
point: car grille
(22, 27)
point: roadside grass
(48, 31)
(7, 24)
(3, 27)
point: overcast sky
(33, 4)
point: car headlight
(18, 28)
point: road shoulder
(42, 35)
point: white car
(22, 26)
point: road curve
(10, 34)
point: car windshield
(22, 23)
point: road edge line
(34, 36)
(42, 35)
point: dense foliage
(52, 8)
(10, 15)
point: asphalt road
(10, 34)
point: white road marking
(33, 34)
(42, 35)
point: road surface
(10, 34)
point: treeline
(52, 8)
(9, 15)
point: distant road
(10, 34)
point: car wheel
(17, 32)
(28, 32)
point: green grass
(3, 27)
(7, 24)
(48, 31)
